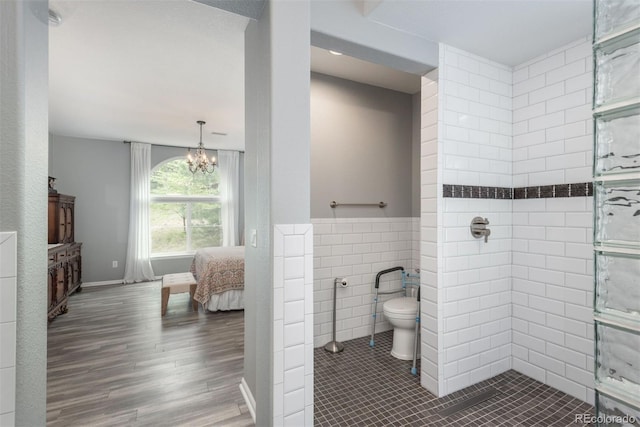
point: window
(184, 210)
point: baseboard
(248, 398)
(102, 283)
(109, 282)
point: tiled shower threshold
(367, 387)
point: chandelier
(200, 162)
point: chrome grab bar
(335, 204)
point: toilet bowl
(401, 313)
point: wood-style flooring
(114, 361)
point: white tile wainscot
(293, 325)
(357, 249)
(8, 268)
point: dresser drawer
(73, 250)
(61, 254)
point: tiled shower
(515, 146)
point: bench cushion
(178, 282)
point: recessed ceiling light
(333, 52)
(219, 133)
(54, 18)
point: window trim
(178, 198)
(172, 255)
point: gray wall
(276, 172)
(256, 174)
(361, 149)
(258, 326)
(415, 156)
(23, 191)
(101, 188)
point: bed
(219, 273)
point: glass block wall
(616, 170)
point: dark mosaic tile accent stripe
(476, 192)
(365, 386)
(582, 189)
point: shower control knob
(479, 228)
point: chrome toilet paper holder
(334, 346)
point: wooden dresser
(65, 257)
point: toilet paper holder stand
(334, 346)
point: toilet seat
(401, 307)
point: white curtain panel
(229, 170)
(138, 262)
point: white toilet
(401, 313)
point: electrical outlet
(114, 264)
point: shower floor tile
(367, 387)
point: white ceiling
(147, 70)
(506, 31)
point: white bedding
(229, 300)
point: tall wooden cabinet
(65, 257)
(61, 215)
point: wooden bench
(176, 284)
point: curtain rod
(178, 146)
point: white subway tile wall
(431, 259)
(8, 273)
(552, 238)
(552, 138)
(357, 249)
(293, 325)
(475, 106)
